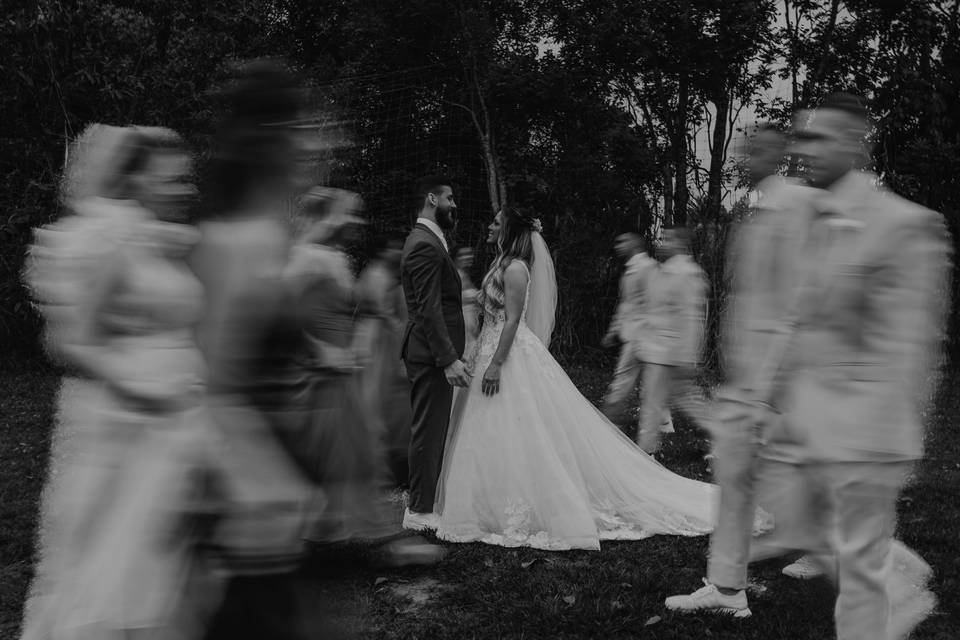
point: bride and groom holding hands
(504, 449)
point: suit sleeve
(694, 297)
(748, 325)
(911, 300)
(616, 324)
(425, 266)
(740, 264)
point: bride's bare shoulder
(517, 272)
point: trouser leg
(656, 393)
(863, 497)
(431, 400)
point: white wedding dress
(537, 465)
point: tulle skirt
(114, 554)
(538, 465)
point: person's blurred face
(165, 185)
(306, 146)
(625, 247)
(392, 254)
(465, 259)
(829, 144)
(446, 207)
(671, 245)
(349, 234)
(495, 229)
(766, 152)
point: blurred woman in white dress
(382, 318)
(530, 461)
(463, 258)
(122, 303)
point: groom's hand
(457, 374)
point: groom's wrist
(447, 360)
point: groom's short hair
(431, 184)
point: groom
(432, 343)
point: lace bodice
(494, 315)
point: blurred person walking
(863, 330)
(463, 258)
(759, 299)
(121, 304)
(629, 326)
(383, 317)
(261, 484)
(677, 317)
(344, 443)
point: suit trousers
(736, 447)
(625, 377)
(431, 398)
(844, 514)
(629, 367)
(666, 386)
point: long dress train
(538, 465)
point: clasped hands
(459, 376)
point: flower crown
(527, 220)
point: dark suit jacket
(431, 285)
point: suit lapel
(435, 240)
(833, 240)
(432, 237)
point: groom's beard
(447, 219)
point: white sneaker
(906, 615)
(667, 427)
(910, 604)
(708, 599)
(803, 569)
(420, 521)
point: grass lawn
(487, 592)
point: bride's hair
(515, 242)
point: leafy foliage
(585, 110)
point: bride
(530, 461)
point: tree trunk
(793, 53)
(667, 193)
(718, 156)
(681, 193)
(811, 84)
(494, 182)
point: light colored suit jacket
(873, 271)
(677, 313)
(762, 278)
(630, 319)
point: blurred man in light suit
(759, 297)
(865, 330)
(676, 322)
(629, 324)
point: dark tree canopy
(590, 108)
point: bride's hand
(491, 380)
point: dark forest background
(595, 103)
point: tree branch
(825, 44)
